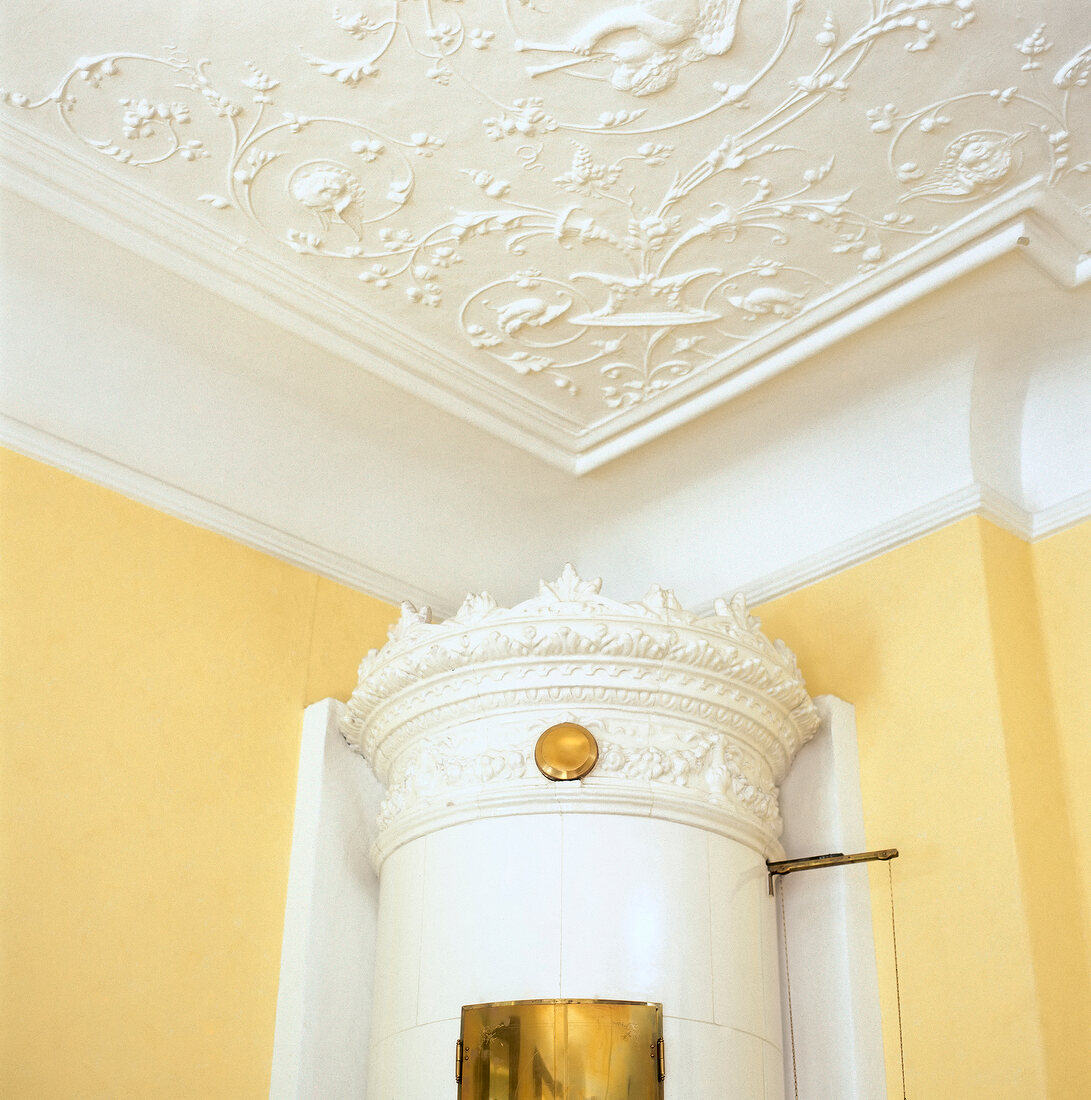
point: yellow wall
(1062, 571)
(152, 680)
(1062, 566)
(966, 655)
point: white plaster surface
(325, 996)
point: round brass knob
(566, 751)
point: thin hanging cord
(897, 981)
(788, 988)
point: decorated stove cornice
(596, 217)
(697, 717)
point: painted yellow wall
(152, 677)
(1062, 571)
(152, 680)
(1045, 815)
(1062, 566)
(960, 652)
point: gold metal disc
(566, 751)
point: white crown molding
(1003, 512)
(869, 544)
(184, 505)
(1031, 218)
(979, 500)
(974, 500)
(1058, 239)
(45, 172)
(1059, 517)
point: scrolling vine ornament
(621, 195)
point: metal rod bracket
(833, 859)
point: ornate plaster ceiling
(576, 225)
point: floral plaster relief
(591, 209)
(697, 717)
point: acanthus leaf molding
(698, 717)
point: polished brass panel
(566, 751)
(562, 1050)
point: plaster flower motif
(192, 150)
(653, 153)
(493, 187)
(585, 177)
(767, 300)
(531, 311)
(1033, 46)
(882, 118)
(141, 116)
(527, 119)
(444, 35)
(368, 150)
(651, 233)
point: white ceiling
(604, 277)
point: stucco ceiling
(572, 230)
(577, 225)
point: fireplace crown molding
(698, 717)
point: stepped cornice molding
(974, 500)
(154, 492)
(1031, 221)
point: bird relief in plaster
(601, 200)
(644, 44)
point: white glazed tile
(636, 912)
(772, 967)
(738, 879)
(492, 914)
(706, 1062)
(419, 1062)
(376, 1068)
(398, 940)
(774, 1072)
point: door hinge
(458, 1061)
(661, 1058)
